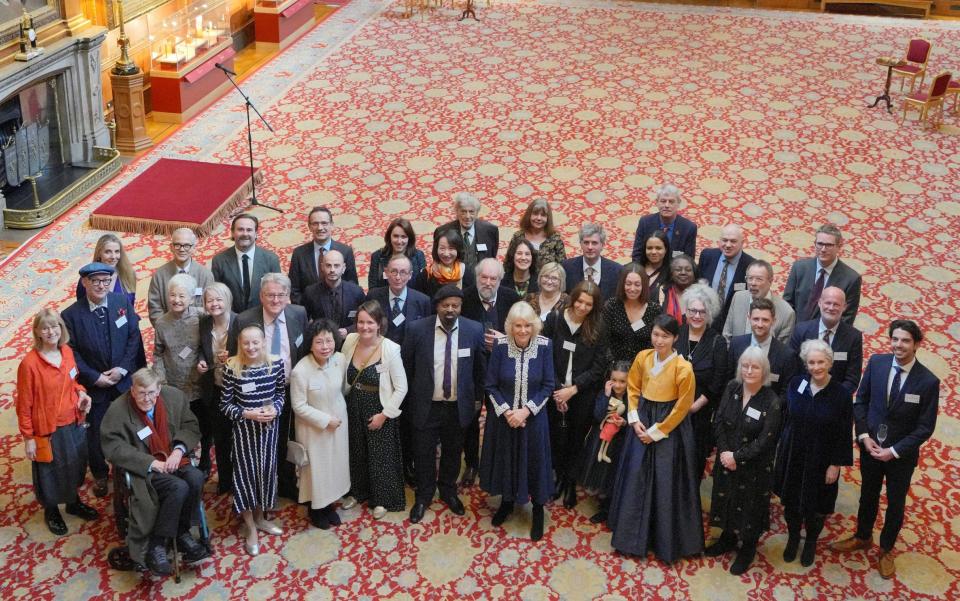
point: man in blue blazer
(725, 269)
(306, 260)
(808, 277)
(333, 297)
(783, 362)
(105, 339)
(401, 304)
(681, 232)
(241, 266)
(845, 340)
(894, 413)
(446, 365)
(591, 262)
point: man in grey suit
(242, 266)
(183, 243)
(759, 281)
(808, 277)
(285, 326)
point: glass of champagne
(882, 434)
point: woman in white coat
(316, 396)
(376, 385)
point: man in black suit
(105, 339)
(285, 326)
(481, 239)
(332, 297)
(845, 340)
(445, 362)
(783, 362)
(488, 303)
(894, 413)
(591, 263)
(242, 266)
(725, 269)
(808, 277)
(681, 232)
(305, 263)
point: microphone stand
(253, 182)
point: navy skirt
(655, 504)
(516, 462)
(57, 482)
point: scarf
(671, 305)
(159, 439)
(446, 275)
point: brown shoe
(851, 544)
(100, 488)
(885, 565)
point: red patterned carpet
(759, 117)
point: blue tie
(396, 307)
(275, 342)
(895, 386)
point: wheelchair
(119, 557)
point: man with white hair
(183, 243)
(680, 231)
(481, 239)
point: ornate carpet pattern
(759, 117)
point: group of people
(587, 376)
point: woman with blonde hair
(109, 251)
(550, 298)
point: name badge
(637, 325)
(677, 253)
(463, 352)
(569, 346)
(121, 321)
(912, 398)
(776, 378)
(316, 384)
(248, 387)
(144, 432)
(802, 386)
(379, 368)
(73, 373)
(840, 356)
(753, 413)
(198, 291)
(299, 340)
(351, 314)
(481, 247)
(399, 319)
(739, 286)
(185, 352)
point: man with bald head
(183, 243)
(725, 268)
(333, 297)
(845, 340)
(759, 281)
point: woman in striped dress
(253, 395)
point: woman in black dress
(656, 258)
(816, 441)
(706, 349)
(747, 427)
(214, 327)
(628, 316)
(578, 362)
(520, 267)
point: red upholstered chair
(918, 53)
(925, 101)
(954, 89)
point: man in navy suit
(894, 413)
(845, 340)
(445, 364)
(681, 232)
(306, 263)
(783, 362)
(241, 266)
(481, 239)
(808, 277)
(332, 297)
(105, 339)
(591, 263)
(725, 269)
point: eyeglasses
(179, 246)
(700, 312)
(824, 244)
(552, 278)
(101, 281)
(278, 296)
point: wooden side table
(889, 63)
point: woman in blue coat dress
(515, 462)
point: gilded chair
(925, 101)
(954, 89)
(918, 53)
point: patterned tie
(826, 337)
(245, 280)
(895, 386)
(396, 308)
(722, 284)
(447, 375)
(590, 271)
(466, 239)
(320, 264)
(815, 294)
(101, 313)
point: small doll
(610, 426)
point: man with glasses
(759, 281)
(183, 243)
(681, 232)
(332, 297)
(105, 338)
(285, 327)
(808, 277)
(306, 263)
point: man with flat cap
(445, 363)
(105, 338)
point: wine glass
(882, 434)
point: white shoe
(379, 511)
(348, 503)
(269, 527)
(252, 550)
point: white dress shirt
(439, 348)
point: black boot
(332, 516)
(814, 527)
(793, 536)
(601, 515)
(54, 520)
(506, 508)
(536, 529)
(191, 549)
(156, 557)
(319, 518)
(570, 496)
(745, 556)
(726, 543)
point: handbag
(44, 449)
(297, 454)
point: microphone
(224, 69)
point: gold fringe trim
(139, 225)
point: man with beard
(242, 266)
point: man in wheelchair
(148, 432)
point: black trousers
(443, 426)
(222, 446)
(98, 464)
(471, 442)
(286, 473)
(204, 410)
(179, 498)
(898, 473)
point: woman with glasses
(550, 298)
